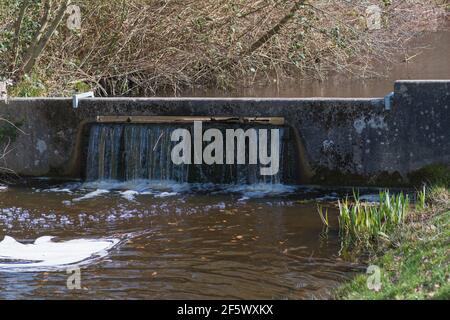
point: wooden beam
(279, 121)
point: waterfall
(143, 151)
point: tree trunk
(17, 30)
(42, 39)
(269, 34)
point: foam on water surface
(130, 195)
(161, 189)
(370, 197)
(45, 254)
(259, 190)
(92, 194)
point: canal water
(176, 241)
(425, 57)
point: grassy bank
(414, 262)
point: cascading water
(130, 152)
(143, 151)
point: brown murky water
(177, 241)
(426, 57)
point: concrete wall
(342, 141)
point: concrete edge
(194, 99)
(423, 81)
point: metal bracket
(388, 101)
(4, 90)
(76, 98)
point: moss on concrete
(325, 176)
(434, 174)
(8, 131)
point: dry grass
(143, 47)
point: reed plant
(421, 198)
(414, 263)
(361, 221)
(323, 215)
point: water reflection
(425, 58)
(194, 245)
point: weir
(377, 141)
(129, 151)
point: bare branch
(269, 34)
(35, 51)
(17, 30)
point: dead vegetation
(145, 47)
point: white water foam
(45, 254)
(157, 188)
(58, 190)
(328, 197)
(375, 198)
(259, 190)
(139, 185)
(130, 195)
(129, 190)
(166, 194)
(91, 195)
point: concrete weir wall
(341, 141)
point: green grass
(421, 199)
(29, 87)
(416, 268)
(362, 223)
(414, 256)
